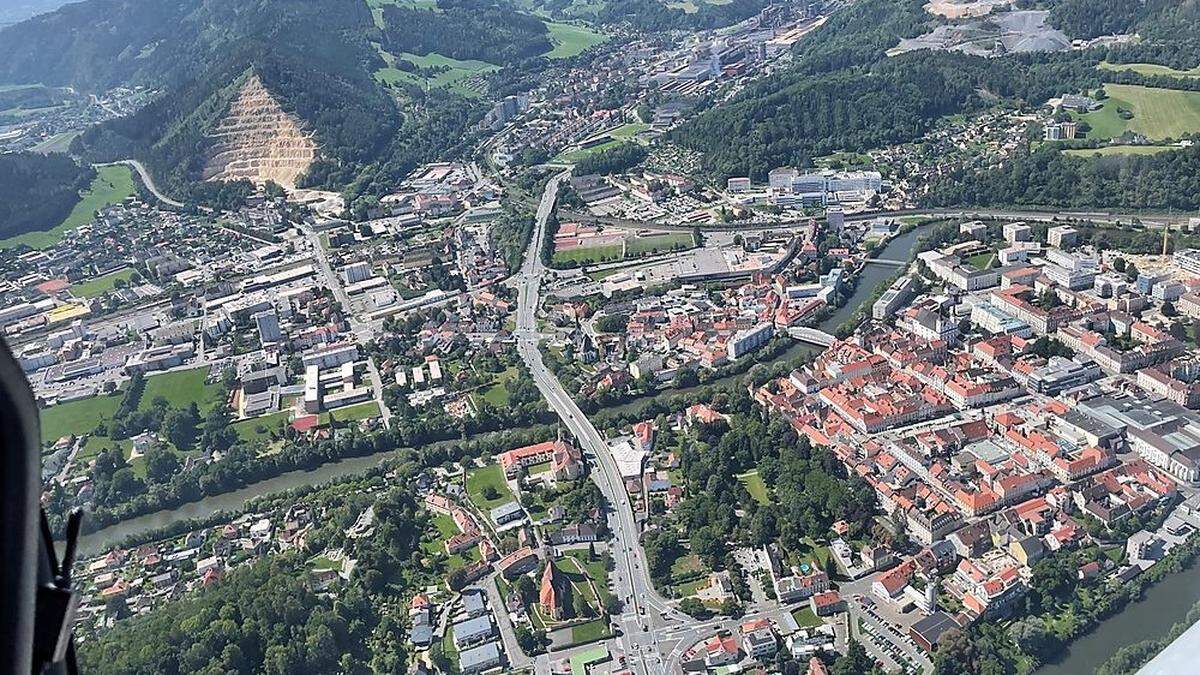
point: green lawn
(806, 618)
(596, 569)
(686, 564)
(601, 274)
(658, 243)
(1157, 113)
(754, 484)
(690, 588)
(569, 40)
(1110, 150)
(112, 185)
(981, 261)
(181, 388)
(809, 550)
(589, 254)
(323, 563)
(98, 286)
(77, 417)
(496, 394)
(1150, 69)
(628, 131)
(591, 631)
(378, 5)
(248, 430)
(95, 444)
(447, 648)
(478, 479)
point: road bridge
(813, 336)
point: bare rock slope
(258, 140)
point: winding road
(147, 180)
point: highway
(646, 614)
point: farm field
(1150, 69)
(569, 40)
(112, 185)
(1156, 113)
(452, 79)
(1116, 150)
(98, 286)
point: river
(1163, 605)
(898, 248)
(100, 540)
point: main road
(646, 615)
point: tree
(1034, 638)
(179, 426)
(161, 464)
(855, 661)
(694, 608)
(1168, 309)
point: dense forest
(466, 29)
(652, 15)
(1089, 18)
(1047, 177)
(38, 191)
(613, 160)
(267, 618)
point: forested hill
(1169, 180)
(844, 93)
(315, 57)
(38, 191)
(466, 29)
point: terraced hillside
(259, 141)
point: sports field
(658, 243)
(589, 254)
(100, 285)
(1155, 113)
(112, 185)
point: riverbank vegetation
(1058, 609)
(270, 617)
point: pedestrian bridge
(812, 336)
(890, 262)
